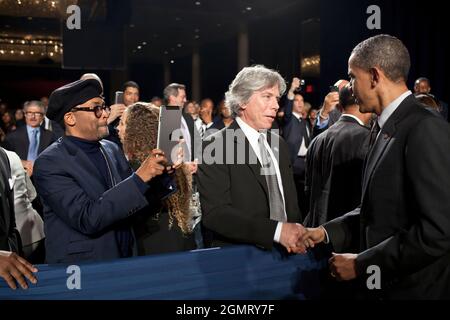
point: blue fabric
(92, 150)
(239, 272)
(142, 186)
(33, 137)
(322, 124)
(81, 215)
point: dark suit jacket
(18, 141)
(334, 165)
(9, 236)
(56, 128)
(81, 216)
(234, 197)
(403, 225)
(196, 140)
(293, 132)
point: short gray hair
(249, 80)
(35, 103)
(385, 52)
(172, 90)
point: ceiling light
(172, 61)
(144, 43)
(249, 8)
(139, 47)
(197, 3)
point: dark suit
(81, 215)
(54, 127)
(9, 236)
(334, 170)
(234, 197)
(294, 132)
(18, 141)
(194, 136)
(403, 225)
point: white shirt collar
(298, 116)
(251, 134)
(354, 117)
(389, 110)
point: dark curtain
(421, 27)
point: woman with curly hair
(169, 226)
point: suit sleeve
(428, 177)
(219, 214)
(289, 104)
(70, 202)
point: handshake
(297, 239)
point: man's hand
(193, 166)
(116, 112)
(311, 237)
(152, 166)
(343, 266)
(294, 86)
(330, 102)
(290, 234)
(179, 161)
(14, 267)
(28, 166)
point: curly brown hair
(141, 131)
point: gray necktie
(275, 198)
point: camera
(300, 88)
(334, 89)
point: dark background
(280, 33)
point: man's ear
(243, 106)
(69, 119)
(375, 75)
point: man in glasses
(86, 185)
(30, 140)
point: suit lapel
(386, 134)
(22, 150)
(249, 155)
(111, 164)
(374, 156)
(44, 141)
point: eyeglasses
(98, 110)
(30, 114)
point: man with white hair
(246, 186)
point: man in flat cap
(86, 185)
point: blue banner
(239, 272)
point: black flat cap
(63, 99)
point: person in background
(166, 224)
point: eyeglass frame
(31, 114)
(94, 109)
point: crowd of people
(365, 176)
